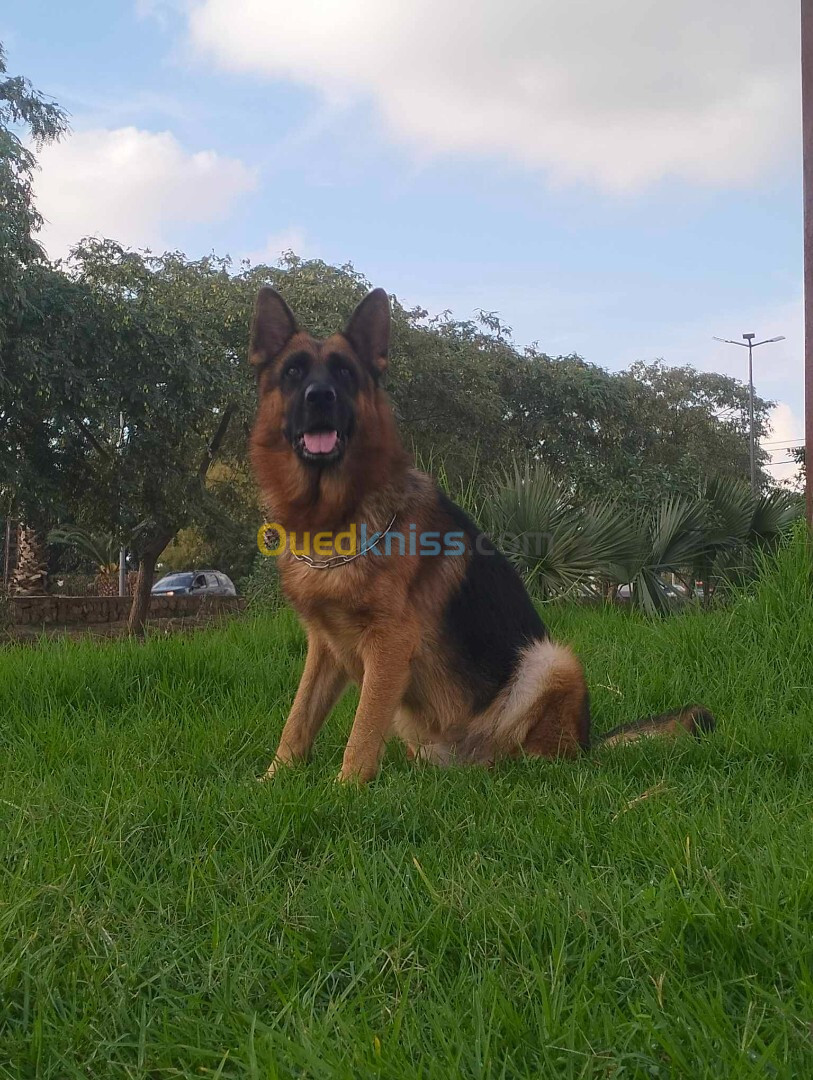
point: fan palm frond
(555, 543)
(773, 514)
(677, 534)
(730, 509)
(102, 550)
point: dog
(397, 589)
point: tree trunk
(142, 594)
(106, 584)
(149, 555)
(30, 574)
(140, 607)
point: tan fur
(691, 720)
(379, 621)
(376, 621)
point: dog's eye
(294, 373)
(346, 374)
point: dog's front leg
(320, 687)
(387, 657)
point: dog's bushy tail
(694, 719)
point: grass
(647, 912)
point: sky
(616, 178)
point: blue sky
(615, 179)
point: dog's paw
(356, 774)
(353, 777)
(272, 770)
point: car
(194, 583)
(670, 593)
(673, 594)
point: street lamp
(749, 343)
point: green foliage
(647, 912)
(188, 550)
(557, 543)
(798, 455)
(633, 435)
(674, 539)
(739, 526)
(261, 586)
(122, 379)
(172, 376)
(564, 545)
(23, 111)
(99, 549)
(119, 368)
(772, 514)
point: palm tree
(562, 546)
(674, 539)
(99, 548)
(559, 545)
(30, 575)
(738, 524)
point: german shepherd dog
(446, 646)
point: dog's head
(322, 417)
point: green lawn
(647, 912)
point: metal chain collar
(341, 560)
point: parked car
(194, 583)
(674, 595)
(671, 594)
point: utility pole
(807, 151)
(749, 343)
(122, 550)
(752, 442)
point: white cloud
(619, 93)
(132, 186)
(292, 239)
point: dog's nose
(320, 393)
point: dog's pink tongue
(320, 442)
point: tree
(30, 573)
(701, 418)
(99, 549)
(635, 434)
(168, 371)
(798, 455)
(23, 110)
(124, 375)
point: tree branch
(91, 438)
(215, 441)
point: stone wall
(81, 610)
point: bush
(261, 587)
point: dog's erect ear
(369, 330)
(272, 328)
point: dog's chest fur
(344, 603)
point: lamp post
(749, 343)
